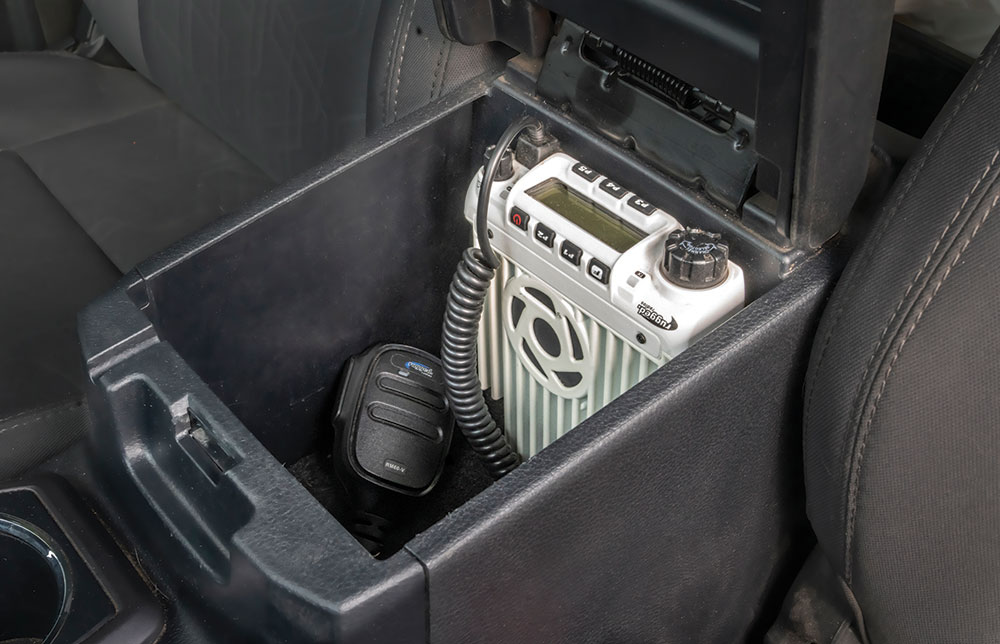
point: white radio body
(581, 309)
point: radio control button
(544, 234)
(614, 189)
(696, 258)
(570, 252)
(519, 219)
(586, 172)
(599, 271)
(641, 205)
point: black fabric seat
(101, 167)
(134, 171)
(902, 416)
(98, 171)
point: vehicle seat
(902, 413)
(101, 167)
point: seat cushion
(289, 83)
(43, 95)
(50, 270)
(143, 181)
(902, 433)
(134, 171)
(98, 170)
(284, 81)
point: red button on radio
(519, 219)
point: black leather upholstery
(902, 435)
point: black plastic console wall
(670, 516)
(213, 367)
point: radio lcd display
(586, 214)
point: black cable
(459, 353)
(370, 529)
(483, 207)
(460, 336)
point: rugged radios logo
(648, 312)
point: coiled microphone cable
(459, 342)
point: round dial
(695, 258)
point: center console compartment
(213, 368)
(214, 365)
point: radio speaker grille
(551, 363)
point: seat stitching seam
(439, 70)
(867, 420)
(923, 267)
(946, 126)
(49, 414)
(392, 59)
(402, 53)
(164, 102)
(904, 192)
